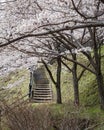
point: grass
(17, 81)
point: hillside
(15, 85)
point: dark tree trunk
(75, 82)
(100, 83)
(59, 100)
(99, 76)
(58, 84)
(97, 66)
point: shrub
(25, 117)
(41, 117)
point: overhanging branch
(97, 24)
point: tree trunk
(99, 76)
(59, 100)
(76, 89)
(100, 83)
(58, 84)
(75, 82)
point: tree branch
(97, 24)
(71, 60)
(49, 72)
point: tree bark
(100, 83)
(99, 76)
(58, 84)
(75, 82)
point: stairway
(42, 93)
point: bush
(26, 117)
(41, 117)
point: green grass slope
(14, 85)
(88, 86)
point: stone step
(42, 98)
(43, 88)
(41, 101)
(42, 92)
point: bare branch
(71, 60)
(76, 9)
(49, 72)
(66, 65)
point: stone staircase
(42, 93)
